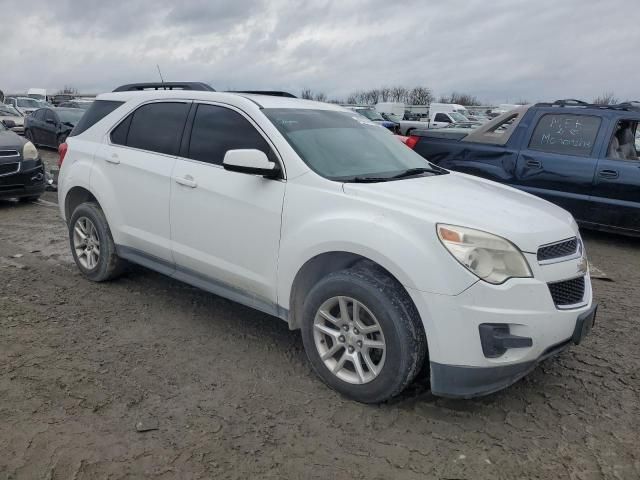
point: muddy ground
(227, 392)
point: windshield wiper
(410, 172)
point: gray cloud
(501, 50)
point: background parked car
(83, 104)
(12, 118)
(24, 105)
(371, 114)
(51, 126)
(21, 170)
(61, 97)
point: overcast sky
(500, 51)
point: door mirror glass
(250, 161)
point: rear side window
(49, 115)
(96, 112)
(218, 129)
(565, 134)
(156, 127)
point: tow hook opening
(496, 339)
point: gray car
(12, 118)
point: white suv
(310, 213)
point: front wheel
(362, 334)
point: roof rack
(195, 86)
(273, 93)
(572, 102)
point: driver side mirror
(9, 123)
(250, 161)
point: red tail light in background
(412, 141)
(62, 151)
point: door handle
(608, 173)
(187, 181)
(534, 163)
(113, 159)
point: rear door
(35, 122)
(615, 200)
(558, 163)
(132, 170)
(225, 226)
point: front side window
(49, 116)
(345, 146)
(565, 134)
(156, 127)
(441, 117)
(217, 130)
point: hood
(468, 201)
(19, 121)
(11, 141)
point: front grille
(567, 292)
(9, 153)
(9, 168)
(561, 249)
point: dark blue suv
(580, 156)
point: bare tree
(370, 97)
(306, 94)
(68, 90)
(522, 101)
(398, 94)
(353, 98)
(420, 96)
(385, 94)
(461, 99)
(607, 98)
(320, 97)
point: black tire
(402, 328)
(408, 134)
(32, 198)
(109, 264)
(29, 136)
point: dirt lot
(228, 392)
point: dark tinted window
(38, 114)
(49, 115)
(157, 127)
(565, 134)
(96, 112)
(441, 117)
(119, 134)
(218, 129)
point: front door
(558, 163)
(225, 226)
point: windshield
(71, 115)
(371, 114)
(28, 103)
(458, 117)
(9, 110)
(341, 146)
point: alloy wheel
(349, 339)
(86, 243)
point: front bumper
(466, 382)
(460, 367)
(24, 183)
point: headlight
(29, 151)
(491, 258)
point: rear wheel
(92, 245)
(362, 334)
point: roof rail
(273, 93)
(195, 86)
(571, 102)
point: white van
(37, 93)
